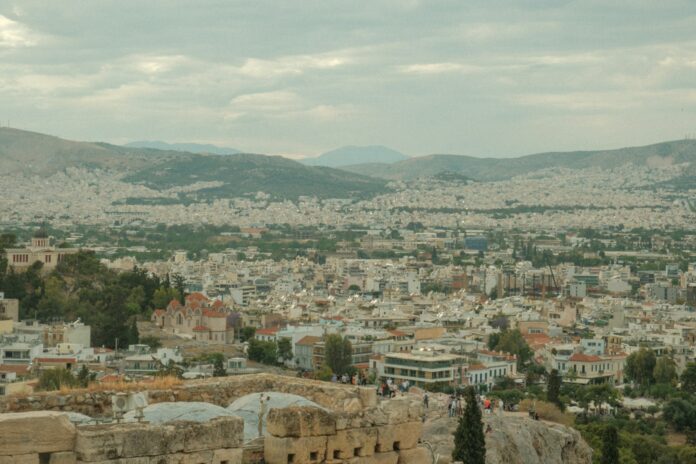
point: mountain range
(485, 169)
(187, 147)
(352, 154)
(31, 153)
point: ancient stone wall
(222, 392)
(50, 438)
(387, 434)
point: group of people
(455, 405)
(389, 389)
(354, 379)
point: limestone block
(398, 437)
(352, 405)
(379, 458)
(304, 450)
(300, 422)
(139, 460)
(396, 410)
(368, 397)
(201, 457)
(228, 456)
(351, 443)
(106, 442)
(414, 456)
(35, 432)
(222, 432)
(20, 459)
(65, 457)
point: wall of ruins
(50, 438)
(222, 392)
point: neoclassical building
(199, 318)
(41, 249)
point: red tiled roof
(397, 333)
(158, 312)
(217, 304)
(308, 340)
(19, 369)
(476, 367)
(56, 360)
(196, 296)
(580, 357)
(174, 304)
(211, 313)
(200, 328)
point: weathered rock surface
(515, 440)
(19, 433)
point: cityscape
(517, 286)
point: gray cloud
(482, 77)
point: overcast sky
(474, 77)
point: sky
(297, 78)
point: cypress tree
(469, 441)
(553, 388)
(610, 446)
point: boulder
(352, 443)
(415, 456)
(35, 432)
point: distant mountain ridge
(674, 152)
(187, 147)
(31, 153)
(353, 154)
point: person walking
(425, 400)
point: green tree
(688, 378)
(218, 360)
(285, 348)
(665, 370)
(469, 441)
(163, 296)
(610, 446)
(246, 334)
(553, 388)
(265, 352)
(55, 379)
(84, 376)
(338, 353)
(640, 366)
(152, 342)
(180, 286)
(511, 341)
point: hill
(351, 154)
(675, 152)
(32, 153)
(187, 147)
(247, 173)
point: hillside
(351, 154)
(246, 173)
(186, 147)
(674, 152)
(32, 153)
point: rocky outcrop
(515, 440)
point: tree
(163, 296)
(610, 446)
(218, 360)
(152, 342)
(84, 376)
(688, 378)
(284, 348)
(665, 370)
(55, 379)
(180, 286)
(511, 341)
(265, 352)
(338, 353)
(553, 388)
(640, 366)
(469, 441)
(246, 334)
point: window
(313, 456)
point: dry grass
(156, 383)
(548, 412)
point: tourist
(425, 400)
